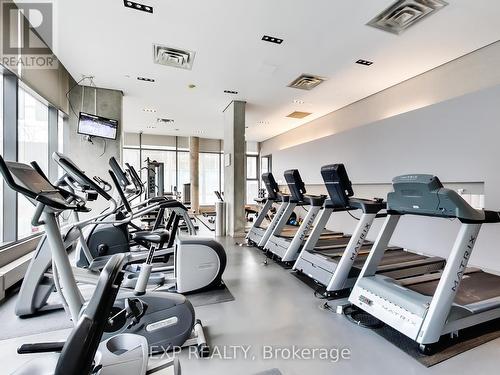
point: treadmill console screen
(271, 185)
(337, 183)
(295, 184)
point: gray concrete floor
(273, 308)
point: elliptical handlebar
(136, 180)
(120, 191)
(118, 172)
(78, 174)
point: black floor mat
(447, 348)
(57, 319)
(211, 297)
(16, 327)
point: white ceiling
(322, 37)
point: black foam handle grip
(41, 347)
(120, 191)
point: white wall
(457, 140)
(470, 73)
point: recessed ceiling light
(364, 62)
(145, 79)
(137, 6)
(151, 127)
(192, 86)
(150, 110)
(230, 92)
(262, 122)
(298, 114)
(272, 39)
(298, 101)
(164, 120)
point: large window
(183, 171)
(252, 178)
(209, 172)
(33, 144)
(169, 165)
(132, 156)
(175, 164)
(1, 152)
(265, 165)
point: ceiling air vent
(306, 82)
(174, 57)
(405, 13)
(298, 114)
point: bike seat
(158, 236)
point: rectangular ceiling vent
(298, 114)
(164, 121)
(306, 82)
(405, 13)
(173, 57)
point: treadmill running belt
(289, 233)
(475, 287)
(338, 251)
(393, 256)
(325, 243)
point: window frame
(255, 178)
(220, 153)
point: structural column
(194, 161)
(234, 168)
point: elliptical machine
(166, 320)
(199, 263)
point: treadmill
(425, 308)
(337, 267)
(257, 233)
(286, 244)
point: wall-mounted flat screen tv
(97, 126)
